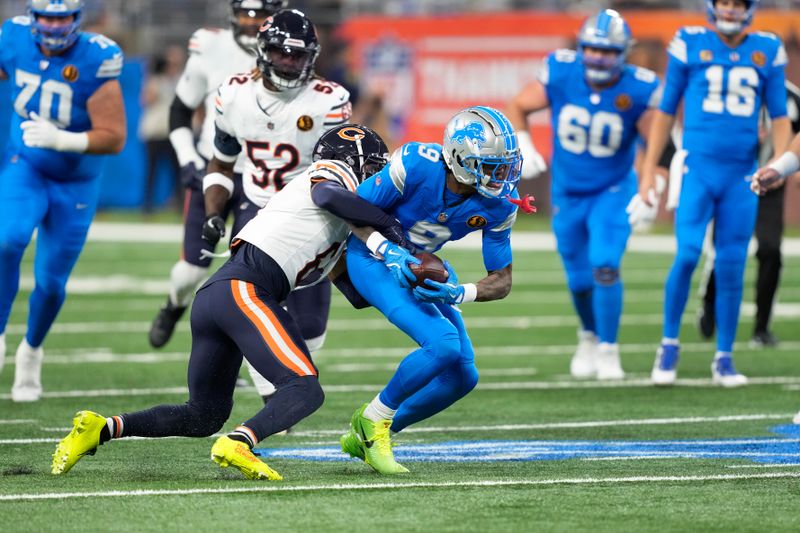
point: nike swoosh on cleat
(367, 443)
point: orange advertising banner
(427, 68)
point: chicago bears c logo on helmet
(473, 131)
(351, 133)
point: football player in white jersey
(296, 239)
(214, 54)
(274, 116)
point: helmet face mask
(721, 17)
(481, 150)
(59, 36)
(606, 31)
(246, 17)
(358, 146)
(286, 49)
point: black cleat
(705, 322)
(763, 339)
(164, 324)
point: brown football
(431, 268)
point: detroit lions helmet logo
(473, 131)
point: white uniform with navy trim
(310, 250)
(276, 131)
(214, 55)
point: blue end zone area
(783, 449)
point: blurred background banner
(427, 67)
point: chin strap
(525, 203)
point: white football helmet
(55, 38)
(730, 27)
(481, 149)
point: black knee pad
(605, 275)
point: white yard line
(521, 240)
(18, 421)
(381, 324)
(259, 488)
(784, 465)
(504, 386)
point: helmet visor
(372, 165)
(289, 63)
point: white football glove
(41, 133)
(642, 216)
(533, 164)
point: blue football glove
(397, 259)
(448, 293)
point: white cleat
(607, 362)
(725, 374)
(583, 364)
(797, 418)
(665, 367)
(28, 376)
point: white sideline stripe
(394, 486)
(667, 455)
(18, 421)
(520, 427)
(381, 324)
(123, 283)
(503, 386)
(521, 240)
(92, 355)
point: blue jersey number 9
(50, 89)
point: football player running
(274, 116)
(724, 75)
(599, 106)
(296, 240)
(68, 111)
(439, 193)
(214, 54)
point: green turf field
(602, 462)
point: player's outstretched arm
(775, 174)
(532, 98)
(495, 286)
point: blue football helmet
(727, 27)
(606, 30)
(481, 149)
(55, 38)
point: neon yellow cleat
(351, 445)
(82, 440)
(375, 443)
(228, 452)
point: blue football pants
(591, 233)
(712, 188)
(61, 212)
(442, 370)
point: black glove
(191, 176)
(213, 229)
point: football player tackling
(439, 193)
(296, 240)
(67, 112)
(724, 76)
(599, 106)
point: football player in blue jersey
(68, 111)
(599, 106)
(724, 75)
(439, 193)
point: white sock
(184, 279)
(666, 341)
(377, 411)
